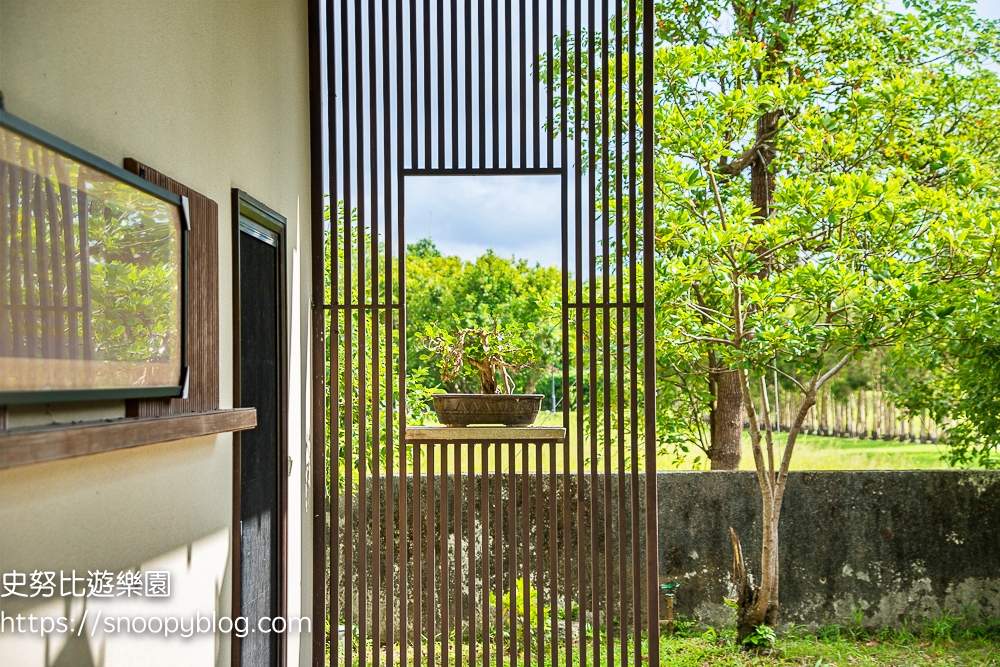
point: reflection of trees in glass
(134, 266)
(104, 285)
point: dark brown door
(260, 460)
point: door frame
(249, 213)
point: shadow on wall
(156, 508)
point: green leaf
(945, 312)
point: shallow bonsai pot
(506, 409)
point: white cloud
(466, 215)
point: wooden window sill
(25, 446)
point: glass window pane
(90, 266)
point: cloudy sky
(465, 215)
(513, 215)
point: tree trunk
(862, 416)
(488, 380)
(727, 421)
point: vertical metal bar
(440, 83)
(469, 119)
(494, 40)
(430, 532)
(620, 330)
(348, 370)
(457, 550)
(446, 589)
(579, 293)
(376, 507)
(454, 84)
(444, 492)
(333, 370)
(592, 349)
(418, 568)
(498, 554)
(428, 117)
(536, 30)
(633, 340)
(525, 509)
(511, 543)
(508, 86)
(481, 15)
(362, 538)
(606, 337)
(536, 564)
(473, 505)
(414, 82)
(550, 86)
(404, 557)
(649, 329)
(523, 66)
(484, 505)
(318, 459)
(551, 534)
(564, 164)
(390, 479)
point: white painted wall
(213, 93)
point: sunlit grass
(827, 648)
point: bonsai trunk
(488, 379)
(726, 421)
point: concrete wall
(213, 93)
(899, 546)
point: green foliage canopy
(880, 137)
(447, 292)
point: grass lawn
(887, 649)
(817, 652)
(814, 452)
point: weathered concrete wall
(906, 545)
(897, 544)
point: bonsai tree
(494, 352)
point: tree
(824, 176)
(956, 383)
(493, 291)
(492, 353)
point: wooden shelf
(25, 446)
(476, 434)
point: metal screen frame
(424, 87)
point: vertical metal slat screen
(468, 552)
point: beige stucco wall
(213, 93)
